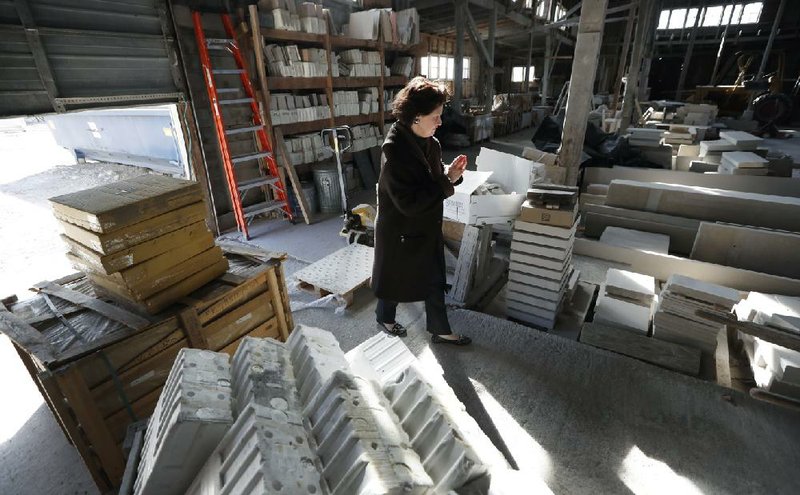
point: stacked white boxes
(286, 108)
(291, 61)
(540, 272)
(306, 148)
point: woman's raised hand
(457, 168)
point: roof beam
(472, 28)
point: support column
(458, 56)
(527, 77)
(775, 25)
(584, 68)
(548, 63)
(623, 58)
(651, 22)
(687, 58)
(632, 84)
(490, 80)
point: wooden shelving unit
(327, 84)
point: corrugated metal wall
(59, 55)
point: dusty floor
(578, 419)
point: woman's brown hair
(420, 96)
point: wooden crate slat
(26, 336)
(111, 312)
(91, 422)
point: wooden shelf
(303, 127)
(395, 81)
(352, 120)
(290, 83)
(292, 36)
(344, 82)
(345, 42)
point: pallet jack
(359, 222)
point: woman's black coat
(412, 188)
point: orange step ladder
(242, 95)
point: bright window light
(677, 19)
(442, 67)
(518, 74)
(713, 16)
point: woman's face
(426, 125)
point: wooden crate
(97, 387)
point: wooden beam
(623, 58)
(458, 56)
(632, 83)
(39, 56)
(476, 37)
(581, 89)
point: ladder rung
(227, 90)
(257, 182)
(264, 207)
(218, 41)
(236, 101)
(227, 71)
(240, 130)
(247, 158)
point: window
(518, 74)
(559, 10)
(442, 67)
(714, 16)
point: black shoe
(461, 340)
(396, 330)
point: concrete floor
(571, 418)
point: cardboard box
(513, 173)
(545, 216)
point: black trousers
(435, 310)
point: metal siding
(96, 49)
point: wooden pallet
(341, 273)
(97, 386)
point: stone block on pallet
(192, 415)
(260, 456)
(315, 355)
(362, 448)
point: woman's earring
(416, 121)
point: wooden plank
(236, 247)
(171, 269)
(232, 298)
(168, 296)
(56, 401)
(722, 359)
(137, 233)
(140, 252)
(661, 266)
(285, 297)
(91, 421)
(671, 356)
(277, 304)
(465, 269)
(26, 336)
(191, 325)
(236, 323)
(453, 231)
(109, 311)
(744, 247)
(297, 186)
(124, 353)
(775, 335)
(132, 464)
(764, 185)
(112, 206)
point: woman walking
(413, 184)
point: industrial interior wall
(70, 55)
